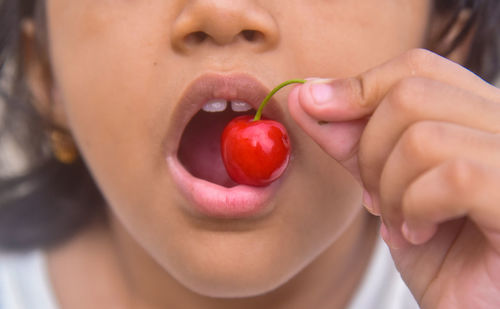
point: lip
(212, 200)
(206, 198)
(217, 86)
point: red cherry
(255, 153)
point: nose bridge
(223, 22)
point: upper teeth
(213, 106)
(240, 106)
(220, 105)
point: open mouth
(192, 146)
(199, 149)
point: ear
(38, 76)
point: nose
(224, 22)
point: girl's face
(130, 74)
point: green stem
(258, 115)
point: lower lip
(216, 201)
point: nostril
(195, 38)
(252, 35)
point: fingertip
(293, 96)
(294, 107)
(299, 115)
(418, 235)
(384, 232)
(408, 234)
(330, 100)
(392, 237)
(368, 203)
(314, 98)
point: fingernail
(375, 205)
(384, 232)
(368, 202)
(409, 235)
(392, 238)
(419, 236)
(319, 80)
(322, 93)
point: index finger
(357, 97)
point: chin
(235, 266)
(221, 281)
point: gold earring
(63, 146)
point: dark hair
(44, 202)
(47, 202)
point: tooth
(240, 106)
(213, 106)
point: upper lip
(235, 86)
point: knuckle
(405, 96)
(416, 139)
(460, 173)
(419, 60)
(358, 85)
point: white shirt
(25, 284)
(382, 286)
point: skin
(427, 160)
(118, 70)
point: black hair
(483, 24)
(43, 202)
(46, 202)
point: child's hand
(422, 135)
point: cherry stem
(258, 115)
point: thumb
(334, 100)
(339, 139)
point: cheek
(118, 104)
(106, 69)
(344, 38)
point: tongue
(199, 150)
